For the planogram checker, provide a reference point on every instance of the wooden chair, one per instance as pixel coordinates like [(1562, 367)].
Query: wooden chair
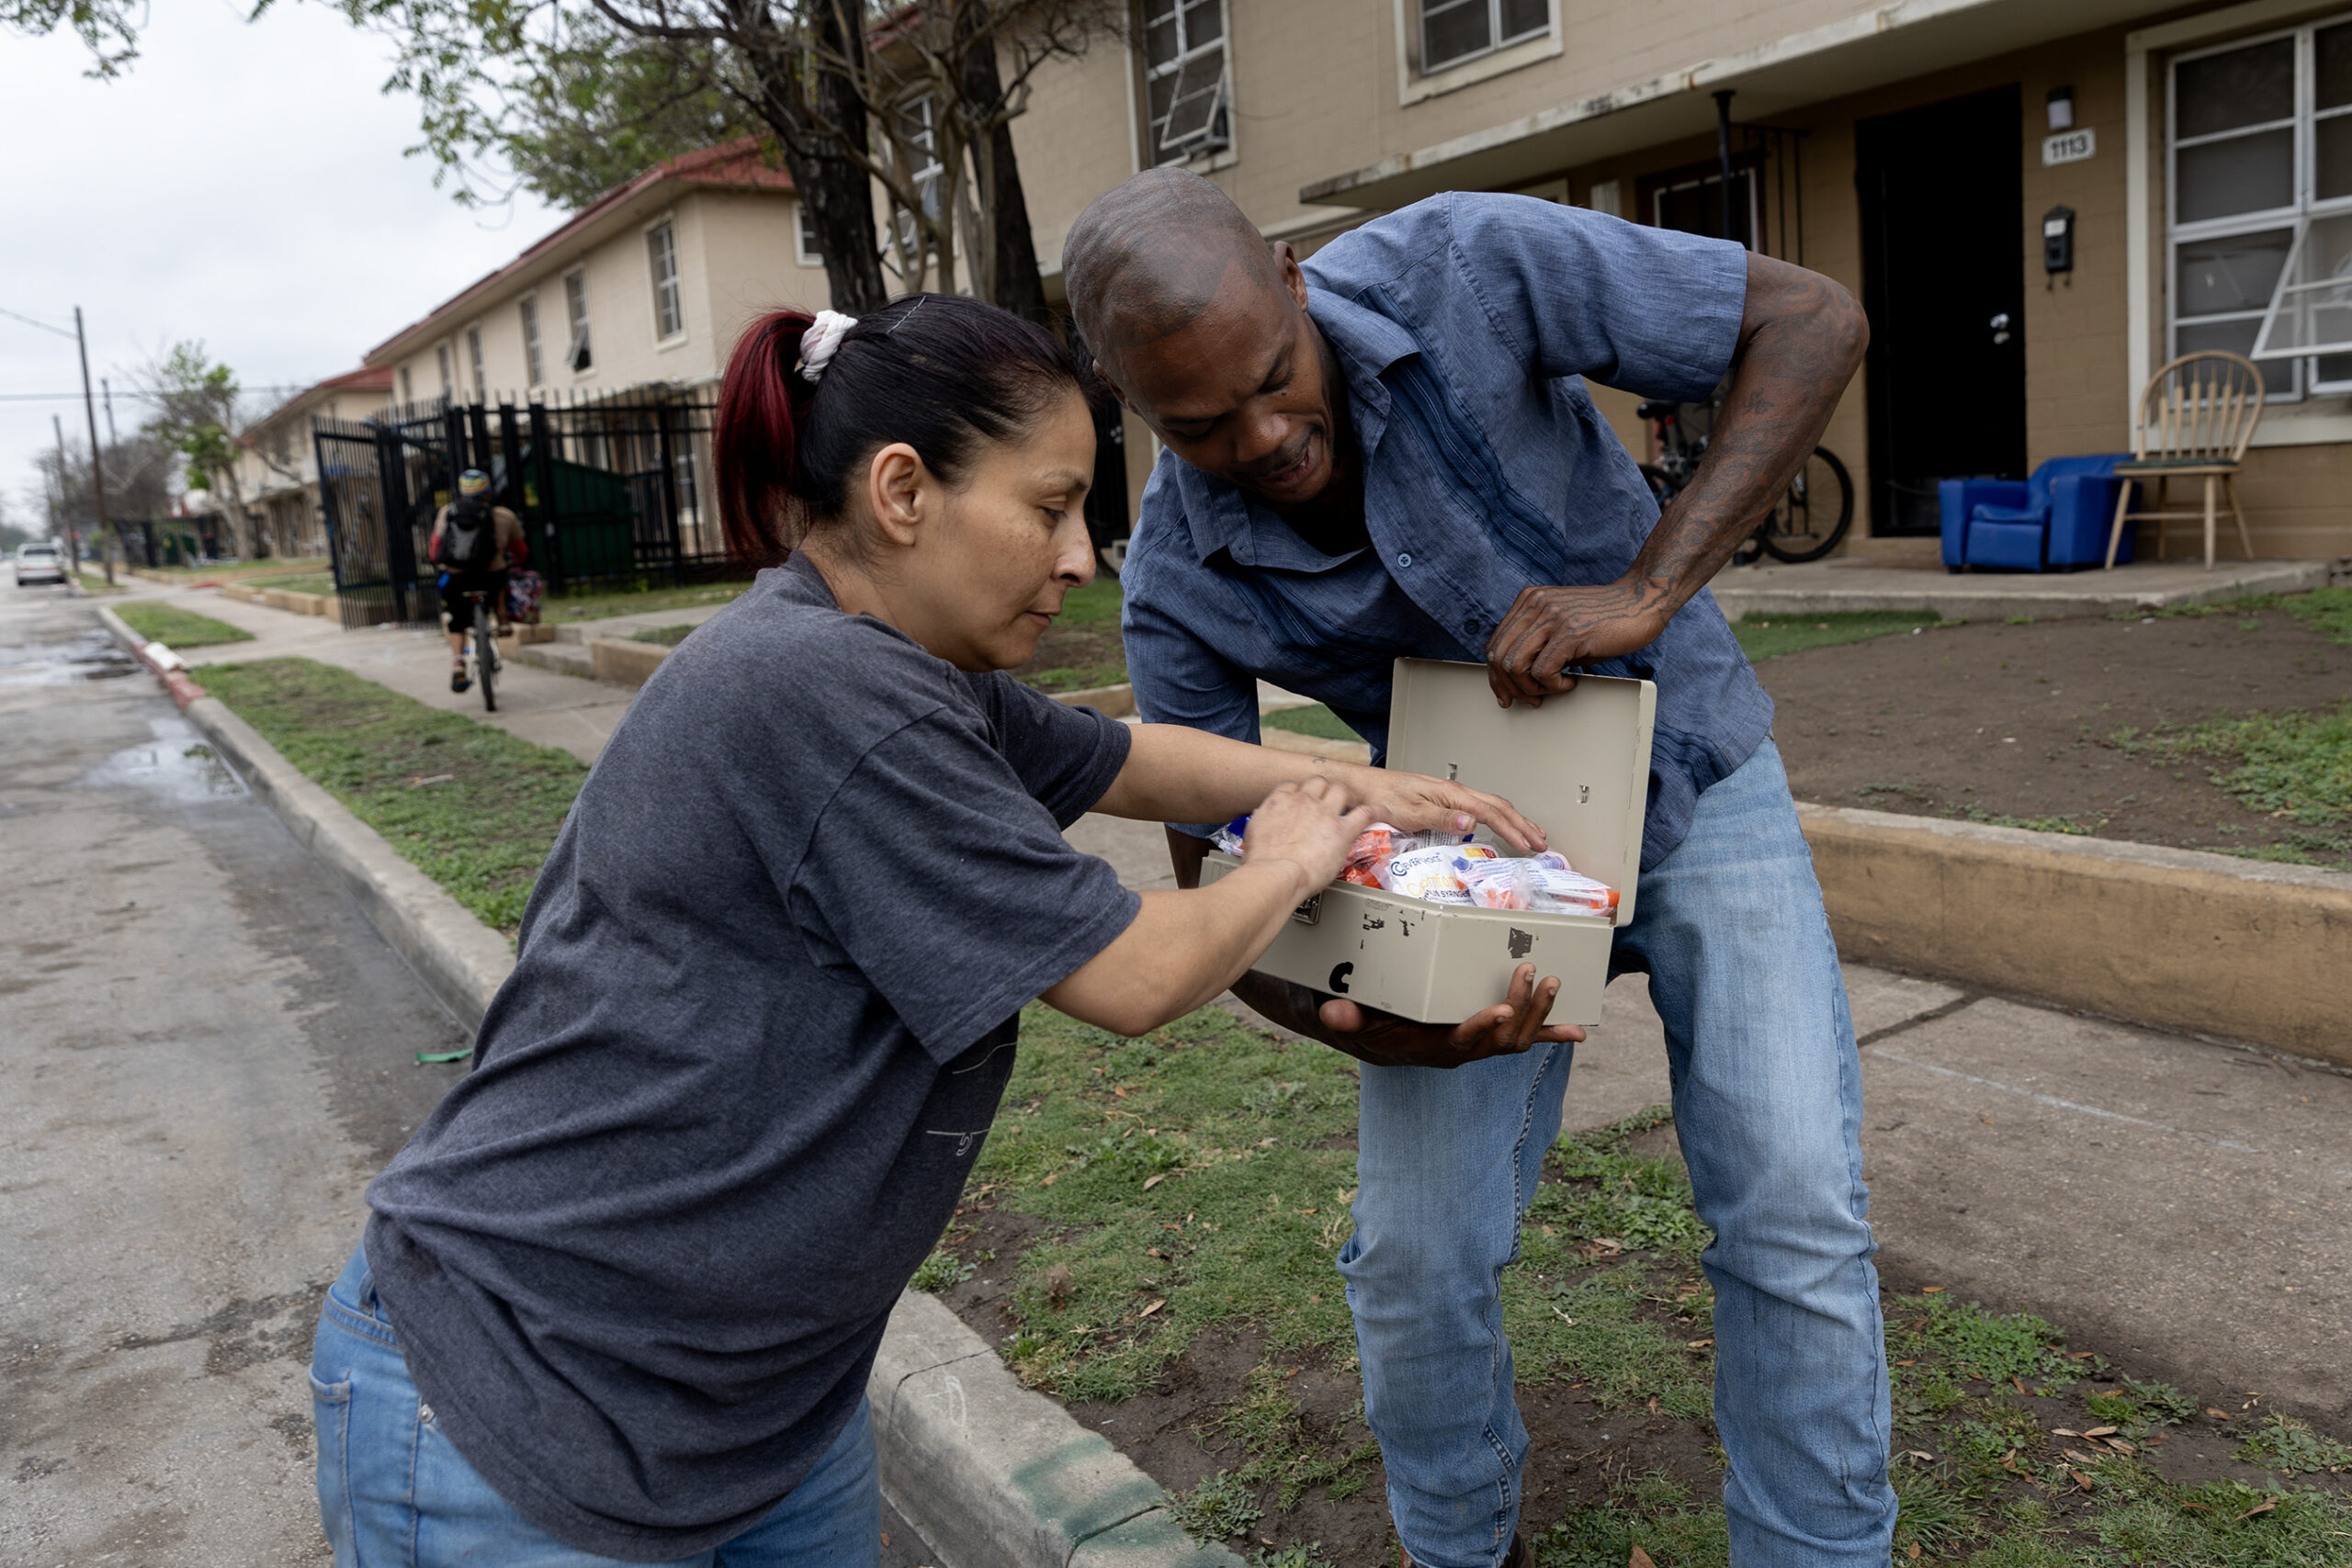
[(2197, 415)]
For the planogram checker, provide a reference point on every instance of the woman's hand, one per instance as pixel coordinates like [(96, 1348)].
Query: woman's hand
[(1420, 804), (1310, 826)]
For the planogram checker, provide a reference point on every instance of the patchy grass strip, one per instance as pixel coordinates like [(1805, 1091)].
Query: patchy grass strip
[(1314, 719), (179, 629), (1199, 1178), (2295, 765), (1077, 678), (597, 604), (664, 636), (472, 808), (1775, 636)]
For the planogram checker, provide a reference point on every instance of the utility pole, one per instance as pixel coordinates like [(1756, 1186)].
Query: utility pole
[(106, 395), (97, 468), (73, 534)]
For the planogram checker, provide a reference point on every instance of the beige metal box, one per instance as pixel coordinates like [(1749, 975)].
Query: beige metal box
[(1578, 767)]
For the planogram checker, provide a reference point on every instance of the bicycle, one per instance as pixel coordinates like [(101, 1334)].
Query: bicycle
[(1805, 524), (481, 644)]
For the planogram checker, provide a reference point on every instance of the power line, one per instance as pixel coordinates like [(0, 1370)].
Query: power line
[(60, 332)]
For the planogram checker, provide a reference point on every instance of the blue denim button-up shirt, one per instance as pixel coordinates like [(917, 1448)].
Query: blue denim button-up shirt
[(1462, 326)]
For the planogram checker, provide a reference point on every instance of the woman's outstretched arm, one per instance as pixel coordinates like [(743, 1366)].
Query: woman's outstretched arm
[(1176, 773)]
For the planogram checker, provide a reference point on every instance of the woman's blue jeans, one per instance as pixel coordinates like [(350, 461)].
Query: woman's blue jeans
[(395, 1493), (1767, 1103)]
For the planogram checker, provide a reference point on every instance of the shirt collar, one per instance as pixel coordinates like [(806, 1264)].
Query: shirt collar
[(1222, 518)]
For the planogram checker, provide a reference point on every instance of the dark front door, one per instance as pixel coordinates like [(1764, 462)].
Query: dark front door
[(1944, 281)]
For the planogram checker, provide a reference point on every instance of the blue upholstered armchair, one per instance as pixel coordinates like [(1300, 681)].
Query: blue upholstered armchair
[(2057, 520)]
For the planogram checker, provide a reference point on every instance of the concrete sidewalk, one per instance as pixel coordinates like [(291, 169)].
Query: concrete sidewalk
[(1761, 592)]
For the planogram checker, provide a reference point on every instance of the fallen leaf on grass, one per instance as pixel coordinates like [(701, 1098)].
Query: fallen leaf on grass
[(1639, 1559), (1152, 1308), (2258, 1509), (1154, 1180), (2217, 1414), (2067, 1432), (2200, 1507), (2081, 1458), (2019, 1380), (1913, 1552), (2080, 1479), (2099, 1431), (1906, 1363), (1701, 1344), (1920, 1454), (1564, 1317), (1932, 1290), (1653, 1405), (2119, 1445)]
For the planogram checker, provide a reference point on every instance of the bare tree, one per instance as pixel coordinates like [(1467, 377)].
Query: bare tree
[(918, 98)]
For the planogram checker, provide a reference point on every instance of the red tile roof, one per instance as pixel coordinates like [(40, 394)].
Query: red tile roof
[(731, 165)]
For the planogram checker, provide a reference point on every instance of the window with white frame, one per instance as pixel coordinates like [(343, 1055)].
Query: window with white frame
[(917, 124), (408, 389), (448, 373), (804, 237), (578, 355), (2260, 171), (1187, 87), (1456, 31), (662, 256), (533, 366), (473, 353)]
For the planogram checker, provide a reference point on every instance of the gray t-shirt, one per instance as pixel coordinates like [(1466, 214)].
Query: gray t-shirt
[(764, 1006)]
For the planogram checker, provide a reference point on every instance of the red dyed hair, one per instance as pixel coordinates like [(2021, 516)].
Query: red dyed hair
[(761, 405)]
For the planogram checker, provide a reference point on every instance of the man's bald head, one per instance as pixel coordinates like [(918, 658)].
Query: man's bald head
[(1147, 257)]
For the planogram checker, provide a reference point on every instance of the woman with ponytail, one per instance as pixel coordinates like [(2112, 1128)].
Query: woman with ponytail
[(618, 1297)]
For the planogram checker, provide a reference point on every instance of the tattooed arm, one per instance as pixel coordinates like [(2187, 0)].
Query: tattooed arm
[(1801, 338)]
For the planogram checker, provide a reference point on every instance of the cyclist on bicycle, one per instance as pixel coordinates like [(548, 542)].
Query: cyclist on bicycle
[(474, 543)]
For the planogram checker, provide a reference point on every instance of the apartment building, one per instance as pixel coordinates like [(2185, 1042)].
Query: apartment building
[(277, 464), (649, 285), (2185, 170)]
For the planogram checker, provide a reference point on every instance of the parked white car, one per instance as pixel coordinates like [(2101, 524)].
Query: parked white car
[(38, 561)]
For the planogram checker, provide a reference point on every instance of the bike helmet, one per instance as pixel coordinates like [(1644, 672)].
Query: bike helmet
[(473, 481)]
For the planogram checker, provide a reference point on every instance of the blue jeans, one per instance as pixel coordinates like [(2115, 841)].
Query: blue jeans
[(1767, 1103), (394, 1491)]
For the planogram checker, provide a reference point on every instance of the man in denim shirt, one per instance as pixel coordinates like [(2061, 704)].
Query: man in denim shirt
[(1390, 450)]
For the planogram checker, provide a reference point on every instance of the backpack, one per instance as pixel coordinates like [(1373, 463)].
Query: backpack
[(469, 540)]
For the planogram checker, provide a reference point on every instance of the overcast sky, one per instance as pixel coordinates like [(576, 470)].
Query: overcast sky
[(243, 183)]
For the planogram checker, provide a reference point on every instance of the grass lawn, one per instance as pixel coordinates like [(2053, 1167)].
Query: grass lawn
[(2294, 765), (300, 583), (602, 604), (1196, 1182), (1314, 719), (1770, 637), (473, 808), (237, 571), (179, 629), (666, 636)]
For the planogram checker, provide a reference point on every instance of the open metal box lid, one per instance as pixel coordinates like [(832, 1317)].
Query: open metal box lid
[(1577, 767)]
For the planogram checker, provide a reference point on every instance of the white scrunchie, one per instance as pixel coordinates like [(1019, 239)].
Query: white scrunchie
[(822, 342)]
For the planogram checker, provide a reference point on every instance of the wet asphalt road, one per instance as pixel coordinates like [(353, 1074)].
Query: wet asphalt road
[(205, 1053)]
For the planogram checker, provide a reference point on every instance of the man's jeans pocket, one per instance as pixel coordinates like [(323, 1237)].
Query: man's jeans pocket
[(330, 1414)]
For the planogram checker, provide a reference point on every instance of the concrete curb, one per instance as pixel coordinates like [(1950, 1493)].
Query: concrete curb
[(994, 1475), (2179, 939)]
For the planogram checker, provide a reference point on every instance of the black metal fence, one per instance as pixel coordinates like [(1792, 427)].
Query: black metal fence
[(612, 490)]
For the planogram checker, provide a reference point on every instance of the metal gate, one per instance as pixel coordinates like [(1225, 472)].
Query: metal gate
[(373, 560), (609, 490)]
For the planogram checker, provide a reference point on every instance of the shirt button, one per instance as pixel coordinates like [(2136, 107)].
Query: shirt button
[(1405, 559)]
